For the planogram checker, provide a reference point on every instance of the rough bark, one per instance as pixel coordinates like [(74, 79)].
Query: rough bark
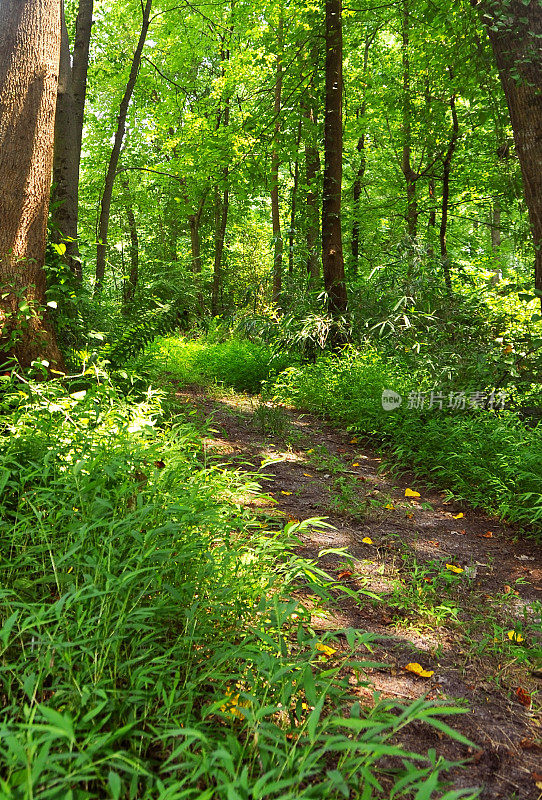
[(70, 110), (332, 246), (278, 243), (447, 166), (105, 205), (29, 65), (130, 281), (515, 32)]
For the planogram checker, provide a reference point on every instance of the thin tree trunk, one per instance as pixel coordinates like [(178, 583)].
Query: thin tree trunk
[(30, 36), (222, 205), (332, 246), (275, 164), (293, 210), (447, 166), (312, 169), (409, 173), (70, 110), (105, 206), (357, 199), (358, 183), (515, 31), (194, 221), (496, 237), (130, 282)]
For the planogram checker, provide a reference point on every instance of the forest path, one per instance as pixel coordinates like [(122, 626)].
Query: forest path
[(457, 624)]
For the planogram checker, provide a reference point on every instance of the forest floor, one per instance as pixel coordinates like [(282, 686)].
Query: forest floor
[(476, 626)]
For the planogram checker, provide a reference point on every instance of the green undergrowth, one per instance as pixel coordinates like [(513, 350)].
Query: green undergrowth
[(488, 458), (149, 644), (238, 363)]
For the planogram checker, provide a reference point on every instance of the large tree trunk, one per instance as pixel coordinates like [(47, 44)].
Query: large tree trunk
[(105, 206), (29, 64), (70, 110), (278, 243), (332, 246), (515, 31)]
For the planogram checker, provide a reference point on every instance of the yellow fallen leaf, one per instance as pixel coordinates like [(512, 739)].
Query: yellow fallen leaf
[(310, 451), (455, 569), (306, 474), (286, 493), (354, 440), (411, 493), (417, 669), (390, 506), (355, 465), (367, 540), (459, 516), (515, 637), (323, 648)]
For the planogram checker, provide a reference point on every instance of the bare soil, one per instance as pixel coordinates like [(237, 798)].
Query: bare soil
[(322, 471)]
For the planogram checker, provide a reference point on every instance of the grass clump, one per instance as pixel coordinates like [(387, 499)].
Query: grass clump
[(238, 363), (149, 646)]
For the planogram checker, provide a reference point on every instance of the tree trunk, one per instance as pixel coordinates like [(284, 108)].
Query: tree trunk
[(312, 169), (410, 175), (195, 245), (70, 110), (515, 31), (130, 282), (358, 183), (293, 210), (222, 206), (29, 65), (447, 166), (332, 246), (275, 163), (357, 200), (105, 206)]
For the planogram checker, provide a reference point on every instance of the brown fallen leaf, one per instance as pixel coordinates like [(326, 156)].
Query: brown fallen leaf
[(344, 574), (507, 589), (525, 700), (160, 464), (536, 776), (488, 535), (529, 744)]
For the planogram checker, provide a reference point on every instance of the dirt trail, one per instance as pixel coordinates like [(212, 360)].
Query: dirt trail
[(455, 623)]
